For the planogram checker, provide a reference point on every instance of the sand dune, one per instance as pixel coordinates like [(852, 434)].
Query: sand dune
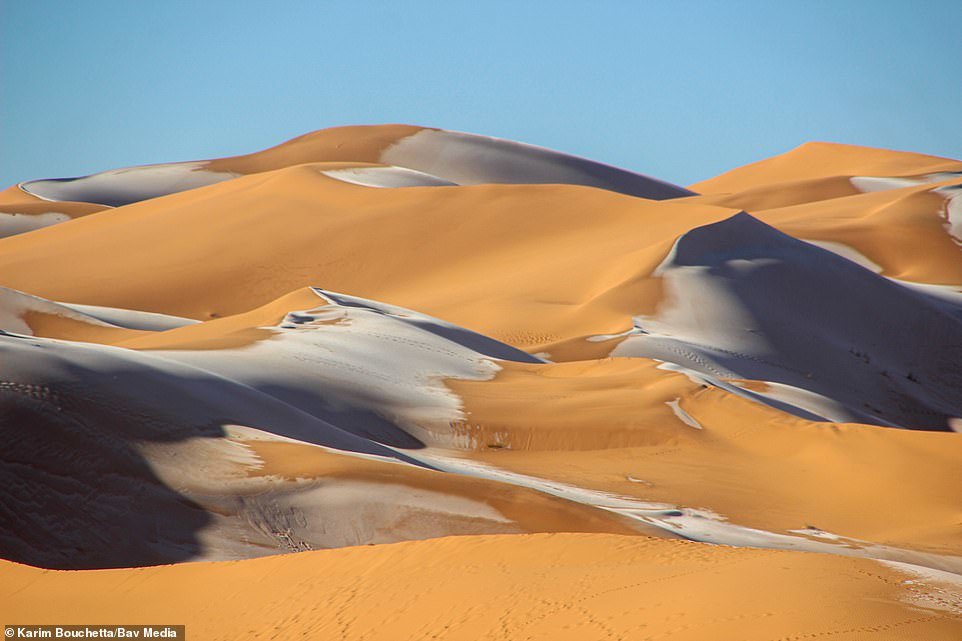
[(372, 335), (560, 586), (746, 301), (413, 155), (21, 211), (821, 160), (469, 159)]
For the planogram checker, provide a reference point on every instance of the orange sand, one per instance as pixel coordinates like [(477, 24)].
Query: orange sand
[(551, 587)]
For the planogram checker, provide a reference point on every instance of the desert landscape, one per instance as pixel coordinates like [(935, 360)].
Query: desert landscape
[(395, 382)]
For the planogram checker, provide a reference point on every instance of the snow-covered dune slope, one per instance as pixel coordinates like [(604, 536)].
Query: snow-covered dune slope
[(469, 159), (152, 441), (745, 301), (77, 492), (372, 369), (124, 186), (427, 157)]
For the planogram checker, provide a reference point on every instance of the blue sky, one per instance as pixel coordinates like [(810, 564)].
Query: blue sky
[(678, 90)]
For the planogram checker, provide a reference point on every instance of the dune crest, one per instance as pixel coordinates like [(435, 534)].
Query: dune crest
[(746, 301), (414, 157)]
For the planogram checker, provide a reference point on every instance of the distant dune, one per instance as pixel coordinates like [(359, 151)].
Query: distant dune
[(393, 334)]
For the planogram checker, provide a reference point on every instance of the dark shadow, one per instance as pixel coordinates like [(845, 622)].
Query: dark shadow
[(459, 335), (888, 352), (76, 491), (74, 494), (363, 423)]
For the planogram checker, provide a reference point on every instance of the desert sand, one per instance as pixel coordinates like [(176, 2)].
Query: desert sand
[(558, 398), (555, 586)]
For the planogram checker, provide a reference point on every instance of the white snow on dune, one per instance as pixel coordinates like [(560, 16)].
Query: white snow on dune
[(129, 382), (682, 415), (951, 193), (386, 177), (953, 210), (693, 523), (802, 401), (429, 158), (786, 398), (350, 375), (883, 183), (145, 436), (370, 368), (12, 224), (931, 588), (455, 333), (132, 318), (14, 305), (87, 430), (867, 184), (748, 302), (124, 186), (256, 514), (470, 159)]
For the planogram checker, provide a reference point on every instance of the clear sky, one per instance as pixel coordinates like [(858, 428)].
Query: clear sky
[(678, 90)]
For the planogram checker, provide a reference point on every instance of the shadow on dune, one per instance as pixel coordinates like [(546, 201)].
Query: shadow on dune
[(75, 493), (363, 423), (461, 336), (76, 490), (814, 320)]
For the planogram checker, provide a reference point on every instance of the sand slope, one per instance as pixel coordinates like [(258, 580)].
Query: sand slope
[(520, 587)]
